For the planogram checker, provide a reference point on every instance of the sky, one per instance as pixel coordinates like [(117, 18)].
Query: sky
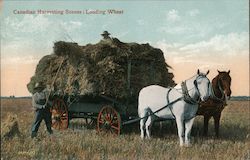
[(193, 34)]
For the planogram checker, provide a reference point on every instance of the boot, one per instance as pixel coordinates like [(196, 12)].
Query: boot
[(33, 134), (50, 131)]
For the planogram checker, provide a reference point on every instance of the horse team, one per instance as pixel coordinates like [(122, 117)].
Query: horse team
[(194, 96)]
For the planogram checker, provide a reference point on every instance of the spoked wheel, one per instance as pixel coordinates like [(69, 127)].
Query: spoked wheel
[(59, 114), (109, 121)]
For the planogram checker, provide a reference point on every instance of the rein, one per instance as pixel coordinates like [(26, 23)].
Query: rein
[(221, 90)]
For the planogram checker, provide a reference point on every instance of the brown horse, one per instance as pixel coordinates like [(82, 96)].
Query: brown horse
[(213, 107)]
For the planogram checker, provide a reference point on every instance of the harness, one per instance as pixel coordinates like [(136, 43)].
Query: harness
[(186, 96), (221, 89), (170, 103), (222, 93), (152, 113)]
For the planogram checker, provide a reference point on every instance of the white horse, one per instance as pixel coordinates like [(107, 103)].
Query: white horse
[(169, 103)]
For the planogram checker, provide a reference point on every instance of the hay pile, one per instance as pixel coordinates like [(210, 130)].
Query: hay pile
[(103, 68), (10, 127)]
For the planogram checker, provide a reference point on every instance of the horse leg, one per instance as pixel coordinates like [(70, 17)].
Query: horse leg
[(217, 123), (142, 124), (161, 125), (180, 127), (205, 127), (148, 127), (188, 127)]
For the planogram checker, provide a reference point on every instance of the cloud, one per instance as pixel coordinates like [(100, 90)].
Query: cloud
[(34, 26), (122, 34), (19, 60), (70, 26), (23, 48), (29, 24), (230, 44), (141, 22), (188, 29), (193, 12), (191, 25), (211, 52), (176, 30), (26, 35), (173, 15), (167, 47)]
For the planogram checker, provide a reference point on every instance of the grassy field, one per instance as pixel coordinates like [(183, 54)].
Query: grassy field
[(82, 143)]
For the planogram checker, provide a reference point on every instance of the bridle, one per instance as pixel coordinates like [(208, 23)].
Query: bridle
[(220, 88), (221, 99), (187, 98)]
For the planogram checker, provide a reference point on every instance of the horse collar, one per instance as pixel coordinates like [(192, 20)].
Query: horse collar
[(186, 95), (220, 88)]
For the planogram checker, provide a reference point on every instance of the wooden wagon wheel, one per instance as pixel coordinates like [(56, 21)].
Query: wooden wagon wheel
[(59, 114), (109, 121)]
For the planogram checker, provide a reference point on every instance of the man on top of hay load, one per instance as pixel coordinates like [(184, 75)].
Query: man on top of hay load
[(39, 102), (106, 37)]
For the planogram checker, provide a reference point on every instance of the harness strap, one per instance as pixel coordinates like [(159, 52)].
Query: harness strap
[(168, 102), (152, 113), (186, 95), (168, 94), (221, 90)]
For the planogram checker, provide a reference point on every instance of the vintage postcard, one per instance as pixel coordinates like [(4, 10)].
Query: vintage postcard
[(125, 79)]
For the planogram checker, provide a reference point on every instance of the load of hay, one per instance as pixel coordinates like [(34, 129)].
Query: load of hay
[(110, 67)]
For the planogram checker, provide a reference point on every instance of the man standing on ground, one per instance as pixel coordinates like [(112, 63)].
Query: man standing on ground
[(39, 102)]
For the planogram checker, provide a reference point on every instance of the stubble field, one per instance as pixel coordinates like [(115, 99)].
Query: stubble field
[(78, 142)]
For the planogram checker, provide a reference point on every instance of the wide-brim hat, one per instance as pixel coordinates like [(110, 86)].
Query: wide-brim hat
[(105, 33), (39, 86)]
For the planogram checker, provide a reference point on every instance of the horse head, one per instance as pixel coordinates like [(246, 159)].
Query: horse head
[(203, 85), (224, 83)]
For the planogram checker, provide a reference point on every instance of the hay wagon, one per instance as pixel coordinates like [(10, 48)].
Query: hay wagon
[(109, 114), (109, 76)]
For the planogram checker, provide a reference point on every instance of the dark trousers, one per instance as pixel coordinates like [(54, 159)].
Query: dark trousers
[(41, 114)]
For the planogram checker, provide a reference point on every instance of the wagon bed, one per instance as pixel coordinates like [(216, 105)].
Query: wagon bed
[(107, 113)]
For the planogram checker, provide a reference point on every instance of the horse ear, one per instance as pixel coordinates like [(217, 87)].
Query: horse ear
[(218, 71), (228, 72), (198, 72), (207, 72)]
